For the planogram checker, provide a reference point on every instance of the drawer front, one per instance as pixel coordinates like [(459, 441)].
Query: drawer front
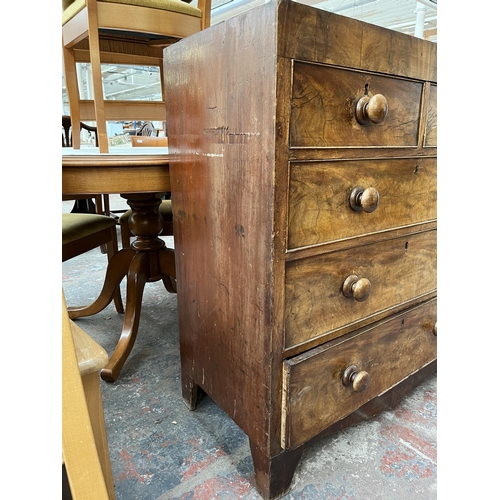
[(315, 396), (319, 198), (323, 109), (398, 270), (431, 123)]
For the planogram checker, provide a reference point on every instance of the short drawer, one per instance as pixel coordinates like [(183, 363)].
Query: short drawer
[(328, 383), (330, 201), (323, 109), (393, 271), (431, 122)]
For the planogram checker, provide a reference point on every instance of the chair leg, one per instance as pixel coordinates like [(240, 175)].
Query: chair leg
[(107, 210), (93, 396), (98, 205), (99, 210), (112, 249), (73, 93), (126, 235), (95, 62)]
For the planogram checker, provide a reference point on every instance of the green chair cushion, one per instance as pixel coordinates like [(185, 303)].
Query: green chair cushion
[(165, 210), (76, 226), (72, 9)]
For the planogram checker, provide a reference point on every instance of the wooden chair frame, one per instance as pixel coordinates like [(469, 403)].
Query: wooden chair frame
[(94, 23), (84, 441), (106, 237), (84, 203)]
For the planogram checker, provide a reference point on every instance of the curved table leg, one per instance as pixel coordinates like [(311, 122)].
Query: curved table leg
[(136, 280), (117, 269), (147, 260)]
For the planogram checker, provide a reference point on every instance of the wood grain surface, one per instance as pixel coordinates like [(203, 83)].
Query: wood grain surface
[(315, 303), (319, 209), (324, 102), (314, 396)]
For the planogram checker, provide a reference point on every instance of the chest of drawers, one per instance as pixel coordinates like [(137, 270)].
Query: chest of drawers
[(304, 201)]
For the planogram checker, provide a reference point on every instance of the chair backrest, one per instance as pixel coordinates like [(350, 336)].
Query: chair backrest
[(147, 129), (67, 138)]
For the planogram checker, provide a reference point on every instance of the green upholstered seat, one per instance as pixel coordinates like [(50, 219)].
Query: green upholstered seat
[(70, 9), (83, 232), (77, 226)]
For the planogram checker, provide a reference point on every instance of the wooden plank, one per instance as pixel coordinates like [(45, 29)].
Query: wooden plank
[(114, 179), (146, 20), (317, 35), (125, 110), (80, 451), (95, 62), (224, 117)]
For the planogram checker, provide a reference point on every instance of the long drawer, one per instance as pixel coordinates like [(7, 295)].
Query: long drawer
[(317, 288), (328, 383), (321, 194), (323, 108)]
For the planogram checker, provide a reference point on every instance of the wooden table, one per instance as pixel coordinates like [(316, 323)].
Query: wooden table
[(142, 178)]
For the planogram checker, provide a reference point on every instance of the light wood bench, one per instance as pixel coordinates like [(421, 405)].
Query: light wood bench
[(85, 444)]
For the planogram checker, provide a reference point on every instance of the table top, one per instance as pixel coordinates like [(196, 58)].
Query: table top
[(117, 155), (122, 170)]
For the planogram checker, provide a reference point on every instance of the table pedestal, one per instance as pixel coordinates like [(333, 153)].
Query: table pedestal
[(147, 260)]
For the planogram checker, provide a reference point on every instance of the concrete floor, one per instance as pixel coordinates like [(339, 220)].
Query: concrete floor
[(162, 451)]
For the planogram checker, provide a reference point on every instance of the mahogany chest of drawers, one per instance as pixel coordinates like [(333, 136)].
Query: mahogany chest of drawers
[(304, 201)]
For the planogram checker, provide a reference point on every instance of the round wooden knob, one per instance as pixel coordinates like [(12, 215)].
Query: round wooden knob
[(364, 199), (358, 288), (359, 380), (435, 329), (371, 109)]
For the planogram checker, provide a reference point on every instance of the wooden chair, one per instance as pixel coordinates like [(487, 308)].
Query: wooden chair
[(84, 441), (147, 129), (83, 205), (83, 232), (67, 137), (121, 32)]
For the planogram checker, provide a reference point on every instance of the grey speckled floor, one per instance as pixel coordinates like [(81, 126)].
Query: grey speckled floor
[(161, 450)]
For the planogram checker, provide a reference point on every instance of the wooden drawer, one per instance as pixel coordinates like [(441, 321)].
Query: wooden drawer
[(431, 123), (319, 209), (399, 270), (314, 396), (324, 102)]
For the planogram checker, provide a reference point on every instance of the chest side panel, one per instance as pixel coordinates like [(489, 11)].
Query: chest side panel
[(221, 85)]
